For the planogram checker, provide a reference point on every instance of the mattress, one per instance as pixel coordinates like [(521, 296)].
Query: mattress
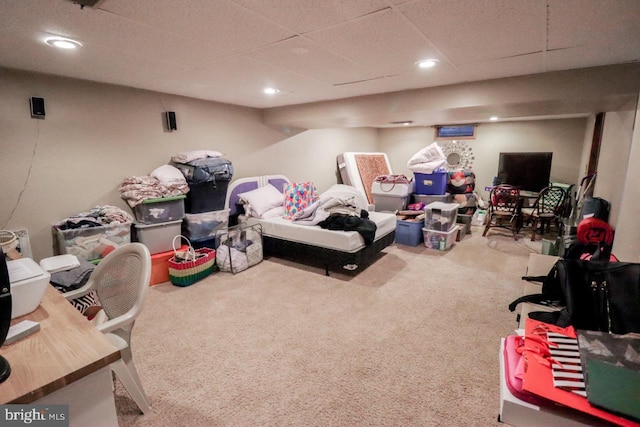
[(361, 169), (345, 241)]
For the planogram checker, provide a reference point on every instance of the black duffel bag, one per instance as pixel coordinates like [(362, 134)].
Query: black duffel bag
[(595, 295)]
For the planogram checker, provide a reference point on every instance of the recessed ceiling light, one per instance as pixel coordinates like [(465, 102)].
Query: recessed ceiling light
[(493, 118), (402, 123), (270, 90), (427, 63), (62, 42)]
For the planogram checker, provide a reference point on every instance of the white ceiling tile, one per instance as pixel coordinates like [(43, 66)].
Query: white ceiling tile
[(443, 74), (303, 16), (237, 79), (470, 31), (590, 56), (381, 42), (102, 65), (303, 56), (110, 31), (506, 67), (218, 23), (119, 34), (603, 24)]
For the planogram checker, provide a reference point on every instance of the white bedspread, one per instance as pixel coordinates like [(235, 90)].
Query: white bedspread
[(346, 241), (323, 208)]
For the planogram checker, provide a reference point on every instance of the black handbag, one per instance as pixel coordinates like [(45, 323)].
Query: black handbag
[(595, 295)]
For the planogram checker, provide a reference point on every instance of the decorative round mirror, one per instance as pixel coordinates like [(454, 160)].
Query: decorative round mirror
[(453, 159), (458, 155)]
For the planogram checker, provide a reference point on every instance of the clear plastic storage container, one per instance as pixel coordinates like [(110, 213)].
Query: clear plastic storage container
[(154, 211)]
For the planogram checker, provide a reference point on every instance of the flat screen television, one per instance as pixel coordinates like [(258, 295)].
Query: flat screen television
[(527, 171)]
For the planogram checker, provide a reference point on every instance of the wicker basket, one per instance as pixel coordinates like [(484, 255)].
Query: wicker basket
[(187, 267)]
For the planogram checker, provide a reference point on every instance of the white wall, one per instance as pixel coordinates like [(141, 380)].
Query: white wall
[(613, 160), (563, 137), (626, 246), (94, 135)]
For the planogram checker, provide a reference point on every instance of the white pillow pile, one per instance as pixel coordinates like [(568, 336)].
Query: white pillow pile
[(168, 175), (258, 201)]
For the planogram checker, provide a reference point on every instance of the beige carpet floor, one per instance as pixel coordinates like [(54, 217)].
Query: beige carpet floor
[(412, 340)]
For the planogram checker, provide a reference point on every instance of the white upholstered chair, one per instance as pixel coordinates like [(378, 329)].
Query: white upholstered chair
[(121, 280)]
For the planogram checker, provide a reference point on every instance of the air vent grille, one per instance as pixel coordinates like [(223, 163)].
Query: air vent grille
[(83, 3)]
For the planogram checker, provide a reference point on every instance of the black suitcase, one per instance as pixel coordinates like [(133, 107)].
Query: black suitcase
[(595, 207), (208, 180), (206, 170), (206, 197)]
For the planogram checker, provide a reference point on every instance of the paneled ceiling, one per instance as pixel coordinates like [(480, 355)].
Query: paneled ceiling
[(313, 50)]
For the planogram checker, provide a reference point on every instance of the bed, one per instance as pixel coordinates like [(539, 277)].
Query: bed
[(338, 250)]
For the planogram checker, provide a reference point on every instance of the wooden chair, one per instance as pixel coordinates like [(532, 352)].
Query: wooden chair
[(547, 208), (504, 209)]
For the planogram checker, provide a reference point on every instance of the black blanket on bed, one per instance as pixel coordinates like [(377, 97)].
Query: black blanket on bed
[(362, 225)]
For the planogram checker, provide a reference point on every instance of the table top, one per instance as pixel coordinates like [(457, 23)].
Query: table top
[(65, 349)]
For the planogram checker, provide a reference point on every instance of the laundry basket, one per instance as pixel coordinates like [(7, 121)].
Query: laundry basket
[(240, 248), (189, 266)]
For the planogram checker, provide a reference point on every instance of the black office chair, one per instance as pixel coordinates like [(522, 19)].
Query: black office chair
[(547, 208), (5, 313), (504, 209)]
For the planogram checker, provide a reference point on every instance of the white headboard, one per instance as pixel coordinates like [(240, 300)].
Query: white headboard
[(243, 185)]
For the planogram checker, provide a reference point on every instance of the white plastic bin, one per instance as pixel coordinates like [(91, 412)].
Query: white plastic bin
[(158, 237)]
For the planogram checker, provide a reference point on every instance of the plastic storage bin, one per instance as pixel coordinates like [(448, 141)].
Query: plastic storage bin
[(409, 232), (160, 266), (154, 211), (441, 240), (431, 183), (158, 237), (440, 216), (206, 197), (205, 225), (92, 243), (387, 203), (430, 198)]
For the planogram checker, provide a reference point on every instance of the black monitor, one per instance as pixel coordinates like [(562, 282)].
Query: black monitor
[(527, 171)]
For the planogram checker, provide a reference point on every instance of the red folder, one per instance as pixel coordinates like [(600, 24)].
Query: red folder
[(538, 378)]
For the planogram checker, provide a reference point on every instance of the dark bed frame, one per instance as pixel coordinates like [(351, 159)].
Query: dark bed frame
[(329, 259)]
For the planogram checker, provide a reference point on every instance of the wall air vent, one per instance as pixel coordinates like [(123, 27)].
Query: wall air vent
[(90, 3)]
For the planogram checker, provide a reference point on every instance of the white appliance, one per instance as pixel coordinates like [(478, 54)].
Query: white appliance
[(28, 284)]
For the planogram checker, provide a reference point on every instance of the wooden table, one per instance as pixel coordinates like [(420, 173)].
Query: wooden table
[(65, 362)]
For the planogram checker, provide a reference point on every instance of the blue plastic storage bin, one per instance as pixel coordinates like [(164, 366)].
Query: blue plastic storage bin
[(409, 232), (431, 183)]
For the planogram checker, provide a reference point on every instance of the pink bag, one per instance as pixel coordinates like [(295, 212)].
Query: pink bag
[(514, 367), (298, 196)]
